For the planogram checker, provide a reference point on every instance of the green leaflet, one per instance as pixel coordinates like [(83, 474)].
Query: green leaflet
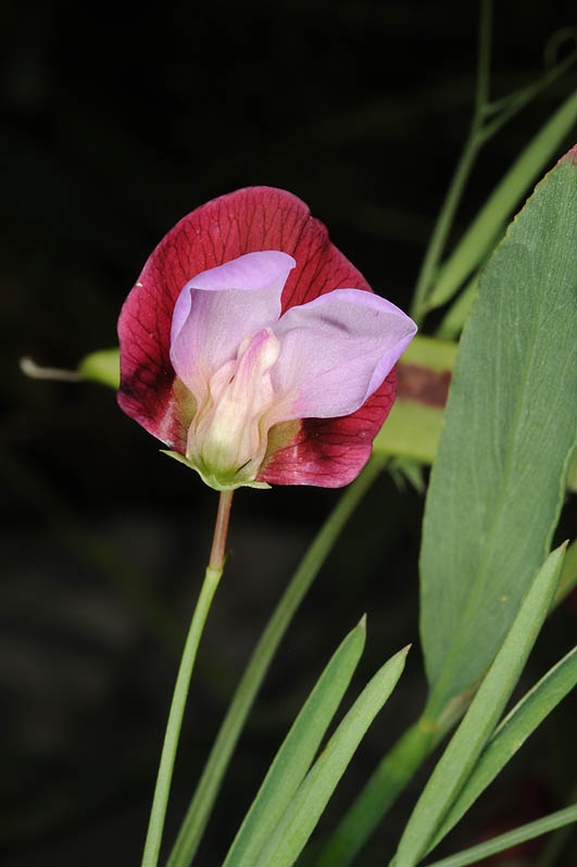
[(497, 484)]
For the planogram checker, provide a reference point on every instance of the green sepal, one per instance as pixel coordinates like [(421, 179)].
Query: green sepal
[(209, 479)]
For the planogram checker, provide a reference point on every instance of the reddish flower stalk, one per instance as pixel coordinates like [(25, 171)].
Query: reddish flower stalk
[(218, 550)]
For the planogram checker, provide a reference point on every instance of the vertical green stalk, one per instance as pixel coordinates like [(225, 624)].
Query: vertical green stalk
[(462, 171), (443, 226), (211, 581), (208, 787)]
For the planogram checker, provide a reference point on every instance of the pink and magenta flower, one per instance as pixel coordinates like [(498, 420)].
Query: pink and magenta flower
[(255, 350)]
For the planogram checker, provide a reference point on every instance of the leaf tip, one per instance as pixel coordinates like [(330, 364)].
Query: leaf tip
[(570, 156)]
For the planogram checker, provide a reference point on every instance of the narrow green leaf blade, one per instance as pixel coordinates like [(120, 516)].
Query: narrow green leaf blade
[(512, 838), (299, 820), (568, 579), (388, 780), (511, 734), (497, 483), (297, 752), (464, 748)]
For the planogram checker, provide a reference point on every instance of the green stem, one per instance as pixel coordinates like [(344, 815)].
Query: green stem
[(208, 787), (443, 226), (461, 175), (173, 726), (515, 102), (483, 59)]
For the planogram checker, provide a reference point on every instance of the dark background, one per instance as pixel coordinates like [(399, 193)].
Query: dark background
[(117, 122)]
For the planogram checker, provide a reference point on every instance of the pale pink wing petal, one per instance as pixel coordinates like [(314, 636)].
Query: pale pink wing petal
[(219, 307), (331, 452), (246, 221), (337, 350)]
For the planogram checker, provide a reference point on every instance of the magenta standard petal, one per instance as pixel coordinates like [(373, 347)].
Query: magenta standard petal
[(337, 350), (218, 308)]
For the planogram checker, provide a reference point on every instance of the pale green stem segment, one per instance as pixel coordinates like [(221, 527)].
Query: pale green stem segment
[(211, 581), (208, 787)]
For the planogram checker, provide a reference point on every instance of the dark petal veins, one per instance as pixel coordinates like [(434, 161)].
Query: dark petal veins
[(246, 221), (331, 452)]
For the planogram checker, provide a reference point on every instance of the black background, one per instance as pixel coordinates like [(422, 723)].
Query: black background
[(117, 122)]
